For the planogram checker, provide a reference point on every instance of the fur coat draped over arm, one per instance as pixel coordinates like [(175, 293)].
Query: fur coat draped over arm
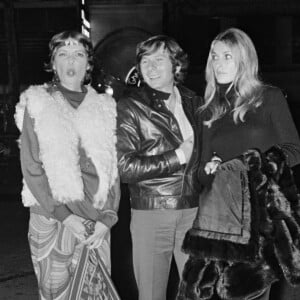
[(247, 231)]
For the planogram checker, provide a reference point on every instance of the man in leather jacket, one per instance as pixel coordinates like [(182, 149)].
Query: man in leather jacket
[(157, 157)]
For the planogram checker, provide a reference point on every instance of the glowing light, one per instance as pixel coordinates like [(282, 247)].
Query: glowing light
[(86, 26), (86, 23), (85, 31), (109, 90)]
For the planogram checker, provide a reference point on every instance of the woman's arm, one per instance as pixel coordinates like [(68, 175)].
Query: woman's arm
[(108, 215), (288, 138), (36, 180), (34, 174), (205, 157)]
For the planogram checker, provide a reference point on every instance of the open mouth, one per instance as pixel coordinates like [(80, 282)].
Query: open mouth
[(71, 72)]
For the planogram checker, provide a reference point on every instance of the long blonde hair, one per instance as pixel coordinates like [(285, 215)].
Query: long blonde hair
[(247, 86)]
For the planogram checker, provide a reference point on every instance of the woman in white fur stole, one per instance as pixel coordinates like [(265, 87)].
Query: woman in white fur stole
[(71, 182)]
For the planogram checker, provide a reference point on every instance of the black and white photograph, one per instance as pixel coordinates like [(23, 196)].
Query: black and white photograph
[(149, 150)]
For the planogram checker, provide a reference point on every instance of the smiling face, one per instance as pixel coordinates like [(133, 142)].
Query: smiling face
[(223, 62), (71, 63), (157, 70)]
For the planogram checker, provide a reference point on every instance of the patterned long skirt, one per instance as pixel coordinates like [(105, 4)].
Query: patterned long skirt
[(65, 269)]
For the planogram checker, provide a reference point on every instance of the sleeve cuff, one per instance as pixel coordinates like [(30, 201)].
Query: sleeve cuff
[(109, 219), (61, 212), (172, 161)]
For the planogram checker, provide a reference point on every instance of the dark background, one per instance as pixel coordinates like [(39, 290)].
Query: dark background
[(26, 27)]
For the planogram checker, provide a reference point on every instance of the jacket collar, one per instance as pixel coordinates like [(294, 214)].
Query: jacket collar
[(153, 97)]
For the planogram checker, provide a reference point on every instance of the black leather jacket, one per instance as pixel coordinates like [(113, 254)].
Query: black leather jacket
[(147, 136)]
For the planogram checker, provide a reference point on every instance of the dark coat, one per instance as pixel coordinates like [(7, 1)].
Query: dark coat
[(233, 269), (147, 136)]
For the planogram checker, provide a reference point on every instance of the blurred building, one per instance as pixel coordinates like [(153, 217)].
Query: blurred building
[(115, 26)]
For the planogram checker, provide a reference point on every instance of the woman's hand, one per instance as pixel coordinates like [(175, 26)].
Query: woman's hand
[(75, 225), (95, 240), (212, 166)]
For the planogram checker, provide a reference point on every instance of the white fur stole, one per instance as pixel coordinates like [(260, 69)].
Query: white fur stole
[(60, 130)]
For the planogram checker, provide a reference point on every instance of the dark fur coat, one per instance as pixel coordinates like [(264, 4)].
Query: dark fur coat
[(219, 268)]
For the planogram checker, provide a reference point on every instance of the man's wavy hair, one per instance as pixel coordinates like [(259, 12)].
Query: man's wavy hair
[(178, 57), (247, 86), (58, 41)]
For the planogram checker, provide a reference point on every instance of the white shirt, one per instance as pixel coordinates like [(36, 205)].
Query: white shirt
[(184, 124)]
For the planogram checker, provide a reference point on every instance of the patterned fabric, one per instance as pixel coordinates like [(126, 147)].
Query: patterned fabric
[(56, 255), (228, 270), (92, 279)]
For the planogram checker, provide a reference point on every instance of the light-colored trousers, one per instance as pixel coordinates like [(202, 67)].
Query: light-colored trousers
[(156, 236)]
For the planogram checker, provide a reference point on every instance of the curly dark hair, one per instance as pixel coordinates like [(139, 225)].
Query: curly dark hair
[(177, 55)]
